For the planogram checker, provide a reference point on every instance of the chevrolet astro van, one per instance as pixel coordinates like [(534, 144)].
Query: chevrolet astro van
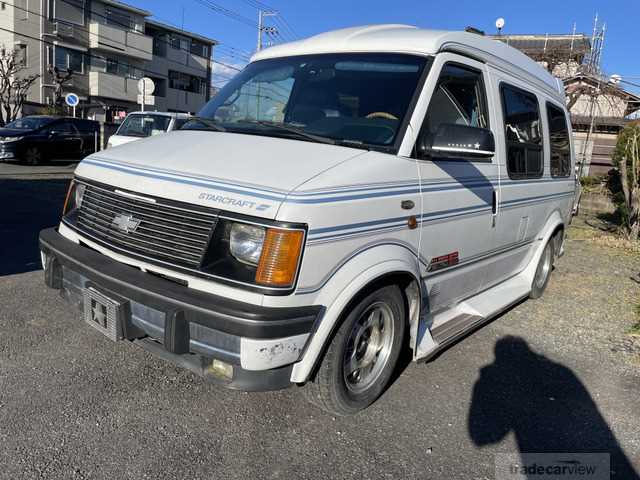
[(343, 198)]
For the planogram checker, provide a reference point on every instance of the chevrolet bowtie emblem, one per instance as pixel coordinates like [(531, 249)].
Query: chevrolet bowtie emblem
[(125, 223)]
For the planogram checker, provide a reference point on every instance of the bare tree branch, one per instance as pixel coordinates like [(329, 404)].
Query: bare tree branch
[(14, 86)]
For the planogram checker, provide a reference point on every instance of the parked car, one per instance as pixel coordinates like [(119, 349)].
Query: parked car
[(139, 125), (338, 201), (38, 138)]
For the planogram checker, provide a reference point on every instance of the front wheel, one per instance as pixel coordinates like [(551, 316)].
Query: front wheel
[(362, 355)]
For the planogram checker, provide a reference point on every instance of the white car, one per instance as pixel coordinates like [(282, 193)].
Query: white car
[(139, 125), (343, 198)]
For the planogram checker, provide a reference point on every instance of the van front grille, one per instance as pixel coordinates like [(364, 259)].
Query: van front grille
[(174, 233)]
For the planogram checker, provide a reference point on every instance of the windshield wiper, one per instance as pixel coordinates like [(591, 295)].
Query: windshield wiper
[(296, 131), (208, 125)]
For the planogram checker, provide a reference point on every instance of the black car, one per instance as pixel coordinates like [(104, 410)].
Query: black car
[(36, 139)]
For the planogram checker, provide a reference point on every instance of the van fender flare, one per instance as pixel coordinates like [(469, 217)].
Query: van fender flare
[(553, 222), (351, 279)]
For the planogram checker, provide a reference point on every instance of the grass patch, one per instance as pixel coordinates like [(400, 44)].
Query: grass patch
[(635, 329), (580, 230)]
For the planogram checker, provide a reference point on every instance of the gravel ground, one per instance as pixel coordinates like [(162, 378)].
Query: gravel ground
[(557, 374)]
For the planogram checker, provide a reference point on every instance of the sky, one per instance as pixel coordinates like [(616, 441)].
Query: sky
[(621, 53)]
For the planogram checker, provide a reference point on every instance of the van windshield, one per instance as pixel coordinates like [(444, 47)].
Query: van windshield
[(144, 125), (351, 99)]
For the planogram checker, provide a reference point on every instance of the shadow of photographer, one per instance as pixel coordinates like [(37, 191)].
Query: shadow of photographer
[(544, 404)]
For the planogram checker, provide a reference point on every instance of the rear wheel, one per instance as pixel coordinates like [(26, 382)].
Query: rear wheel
[(543, 272), (33, 156), (362, 355)]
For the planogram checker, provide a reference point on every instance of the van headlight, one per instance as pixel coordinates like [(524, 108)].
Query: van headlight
[(264, 256), (74, 198), (245, 243)]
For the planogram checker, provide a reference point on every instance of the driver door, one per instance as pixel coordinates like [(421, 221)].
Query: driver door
[(459, 192)]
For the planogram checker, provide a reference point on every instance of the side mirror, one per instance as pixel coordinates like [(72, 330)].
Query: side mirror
[(452, 140)]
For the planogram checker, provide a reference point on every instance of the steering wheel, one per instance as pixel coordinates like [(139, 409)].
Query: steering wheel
[(386, 115)]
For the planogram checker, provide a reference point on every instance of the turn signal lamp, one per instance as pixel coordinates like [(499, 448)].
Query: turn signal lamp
[(280, 256)]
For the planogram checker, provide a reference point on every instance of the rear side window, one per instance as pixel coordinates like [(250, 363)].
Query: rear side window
[(559, 140), (523, 133)]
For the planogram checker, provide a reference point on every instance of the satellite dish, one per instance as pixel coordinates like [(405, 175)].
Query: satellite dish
[(500, 23), (615, 79)]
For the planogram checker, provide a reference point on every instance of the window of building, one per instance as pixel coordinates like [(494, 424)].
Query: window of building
[(174, 41), (118, 18), (68, 59), (560, 142), (187, 83), (199, 48), (116, 67), (522, 133), (459, 98), (22, 55), (69, 11), (160, 44)]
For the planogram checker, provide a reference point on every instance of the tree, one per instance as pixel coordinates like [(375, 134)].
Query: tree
[(14, 87), (627, 158), (59, 80)]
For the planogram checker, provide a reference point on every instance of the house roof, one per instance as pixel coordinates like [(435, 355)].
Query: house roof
[(170, 28), (536, 44), (412, 40), (633, 100)]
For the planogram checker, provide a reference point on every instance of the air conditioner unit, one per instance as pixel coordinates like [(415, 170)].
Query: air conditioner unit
[(63, 29)]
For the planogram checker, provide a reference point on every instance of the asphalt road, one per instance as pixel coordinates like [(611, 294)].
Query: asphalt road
[(558, 374)]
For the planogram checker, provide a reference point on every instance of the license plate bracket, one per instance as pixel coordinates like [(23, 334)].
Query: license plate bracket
[(103, 313)]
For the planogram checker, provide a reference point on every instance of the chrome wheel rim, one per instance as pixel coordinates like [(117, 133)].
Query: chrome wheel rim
[(368, 347), (545, 267)]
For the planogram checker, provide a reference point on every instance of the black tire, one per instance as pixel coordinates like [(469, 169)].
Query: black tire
[(543, 271), (335, 390)]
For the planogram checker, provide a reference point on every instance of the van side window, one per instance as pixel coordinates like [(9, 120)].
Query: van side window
[(459, 98), (559, 140), (523, 133)]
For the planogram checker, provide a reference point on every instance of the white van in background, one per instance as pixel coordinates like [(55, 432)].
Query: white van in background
[(139, 125), (341, 199)]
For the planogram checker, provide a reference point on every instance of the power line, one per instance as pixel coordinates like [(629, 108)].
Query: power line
[(289, 27), (259, 5), (228, 13)]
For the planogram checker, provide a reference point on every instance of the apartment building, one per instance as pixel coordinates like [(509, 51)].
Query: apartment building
[(109, 46)]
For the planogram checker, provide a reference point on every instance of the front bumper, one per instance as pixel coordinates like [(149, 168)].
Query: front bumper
[(8, 151), (188, 327)]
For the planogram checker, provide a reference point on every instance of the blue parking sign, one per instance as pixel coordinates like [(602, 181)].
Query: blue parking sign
[(72, 99)]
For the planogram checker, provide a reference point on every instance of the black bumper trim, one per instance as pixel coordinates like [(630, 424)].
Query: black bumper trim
[(219, 313)]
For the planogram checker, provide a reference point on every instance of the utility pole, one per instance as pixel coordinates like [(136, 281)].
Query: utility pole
[(262, 28)]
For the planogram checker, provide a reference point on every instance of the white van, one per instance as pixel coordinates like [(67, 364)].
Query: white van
[(139, 125), (343, 198)]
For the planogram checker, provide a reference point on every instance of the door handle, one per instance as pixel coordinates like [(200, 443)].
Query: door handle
[(494, 207)]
